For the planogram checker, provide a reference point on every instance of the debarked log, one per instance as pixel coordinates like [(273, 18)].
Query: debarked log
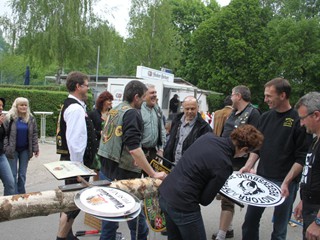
[(55, 201)]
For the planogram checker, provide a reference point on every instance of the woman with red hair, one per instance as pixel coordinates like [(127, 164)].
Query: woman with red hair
[(98, 116)]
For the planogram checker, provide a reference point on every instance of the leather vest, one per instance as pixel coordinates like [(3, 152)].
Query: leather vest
[(61, 141), (111, 145)]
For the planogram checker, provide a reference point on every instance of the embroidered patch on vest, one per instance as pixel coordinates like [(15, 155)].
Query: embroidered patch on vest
[(125, 107), (118, 131)]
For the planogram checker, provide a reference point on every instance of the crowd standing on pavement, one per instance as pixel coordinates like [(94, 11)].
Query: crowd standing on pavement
[(202, 156)]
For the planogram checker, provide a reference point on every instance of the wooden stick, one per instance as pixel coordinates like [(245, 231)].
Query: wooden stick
[(54, 201)]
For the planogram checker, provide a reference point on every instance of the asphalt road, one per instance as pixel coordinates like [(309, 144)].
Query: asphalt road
[(45, 228)]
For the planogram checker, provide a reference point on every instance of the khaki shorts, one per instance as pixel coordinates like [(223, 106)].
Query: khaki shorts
[(227, 205)]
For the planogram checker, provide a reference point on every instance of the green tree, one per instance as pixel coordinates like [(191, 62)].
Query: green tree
[(53, 31), (295, 52), (4, 46), (12, 69), (152, 39), (229, 48), (187, 15)]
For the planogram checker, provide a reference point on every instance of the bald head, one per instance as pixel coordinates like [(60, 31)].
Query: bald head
[(190, 108)]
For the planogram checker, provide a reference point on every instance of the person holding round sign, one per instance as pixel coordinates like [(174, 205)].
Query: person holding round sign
[(308, 209), (198, 177), (281, 157)]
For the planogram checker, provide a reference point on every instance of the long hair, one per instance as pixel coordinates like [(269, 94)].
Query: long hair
[(13, 112)]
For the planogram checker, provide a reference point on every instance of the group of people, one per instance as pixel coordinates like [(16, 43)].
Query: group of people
[(119, 142), (18, 144)]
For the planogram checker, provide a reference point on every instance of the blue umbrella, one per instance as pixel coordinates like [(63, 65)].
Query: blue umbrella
[(27, 76)]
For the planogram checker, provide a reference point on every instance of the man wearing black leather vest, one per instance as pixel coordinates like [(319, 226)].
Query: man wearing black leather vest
[(243, 113), (73, 140)]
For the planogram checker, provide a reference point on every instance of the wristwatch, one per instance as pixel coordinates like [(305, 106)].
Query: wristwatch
[(317, 221)]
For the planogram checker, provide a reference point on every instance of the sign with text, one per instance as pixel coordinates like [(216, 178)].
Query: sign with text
[(253, 190), (152, 74)]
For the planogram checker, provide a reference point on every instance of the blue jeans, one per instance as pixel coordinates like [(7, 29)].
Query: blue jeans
[(281, 217), (309, 213), (182, 225), (109, 229), (6, 176), (20, 173)]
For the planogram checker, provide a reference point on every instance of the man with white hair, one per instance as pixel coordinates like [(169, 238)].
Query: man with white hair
[(154, 133)]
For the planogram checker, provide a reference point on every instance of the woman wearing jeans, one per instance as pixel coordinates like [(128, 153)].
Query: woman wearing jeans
[(22, 141), (5, 171)]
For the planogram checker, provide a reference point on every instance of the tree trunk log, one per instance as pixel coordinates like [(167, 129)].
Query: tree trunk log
[(54, 201)]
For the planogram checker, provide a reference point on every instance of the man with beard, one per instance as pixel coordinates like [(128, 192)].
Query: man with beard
[(121, 154), (154, 134)]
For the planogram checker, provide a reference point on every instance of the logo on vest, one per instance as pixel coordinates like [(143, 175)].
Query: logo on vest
[(118, 131), (253, 190)]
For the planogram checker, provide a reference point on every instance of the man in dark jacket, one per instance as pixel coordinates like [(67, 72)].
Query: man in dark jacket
[(185, 129)]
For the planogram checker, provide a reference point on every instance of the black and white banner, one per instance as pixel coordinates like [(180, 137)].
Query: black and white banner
[(252, 189)]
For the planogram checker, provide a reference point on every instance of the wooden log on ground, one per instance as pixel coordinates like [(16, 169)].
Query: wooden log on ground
[(55, 201)]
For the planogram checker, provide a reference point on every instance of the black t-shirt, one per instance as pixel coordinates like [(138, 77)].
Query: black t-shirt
[(310, 180), (285, 143)]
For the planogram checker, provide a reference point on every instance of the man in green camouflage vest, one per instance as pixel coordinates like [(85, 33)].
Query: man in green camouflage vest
[(121, 153)]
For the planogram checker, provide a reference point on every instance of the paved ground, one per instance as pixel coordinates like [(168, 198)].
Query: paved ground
[(45, 228)]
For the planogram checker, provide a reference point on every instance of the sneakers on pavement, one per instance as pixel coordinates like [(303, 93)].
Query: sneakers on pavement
[(229, 234)]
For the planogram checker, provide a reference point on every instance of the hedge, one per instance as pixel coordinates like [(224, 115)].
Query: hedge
[(40, 101)]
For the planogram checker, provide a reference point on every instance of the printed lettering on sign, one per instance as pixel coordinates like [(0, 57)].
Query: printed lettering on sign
[(252, 189)]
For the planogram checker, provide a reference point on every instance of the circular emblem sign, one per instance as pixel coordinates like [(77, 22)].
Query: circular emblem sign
[(106, 202), (252, 189)]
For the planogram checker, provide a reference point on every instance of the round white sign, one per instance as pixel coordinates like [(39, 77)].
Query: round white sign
[(252, 189), (106, 201)]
